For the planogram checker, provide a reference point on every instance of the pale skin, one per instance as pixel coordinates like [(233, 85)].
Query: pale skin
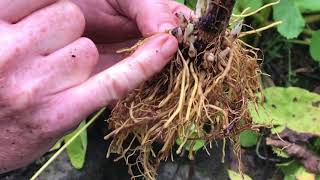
[(51, 77)]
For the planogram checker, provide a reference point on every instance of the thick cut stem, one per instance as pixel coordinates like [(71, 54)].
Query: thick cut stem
[(216, 18)]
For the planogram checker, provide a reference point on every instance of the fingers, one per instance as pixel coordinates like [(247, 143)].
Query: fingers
[(151, 16), (69, 66), (14, 10), (103, 19), (176, 7), (47, 76), (114, 82), (51, 28)]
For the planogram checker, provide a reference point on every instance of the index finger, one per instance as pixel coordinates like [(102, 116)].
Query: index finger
[(115, 82)]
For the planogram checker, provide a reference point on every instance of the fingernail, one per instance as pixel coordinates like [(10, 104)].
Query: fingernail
[(165, 27), (169, 47)]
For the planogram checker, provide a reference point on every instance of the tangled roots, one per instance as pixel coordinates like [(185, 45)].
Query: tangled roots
[(202, 94)]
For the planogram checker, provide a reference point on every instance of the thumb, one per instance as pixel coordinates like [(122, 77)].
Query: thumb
[(115, 82)]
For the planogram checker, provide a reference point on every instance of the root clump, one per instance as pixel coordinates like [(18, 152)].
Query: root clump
[(202, 94)]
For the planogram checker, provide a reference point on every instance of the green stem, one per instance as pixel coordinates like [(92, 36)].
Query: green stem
[(289, 66), (309, 32), (224, 142), (66, 145), (312, 18), (301, 42)]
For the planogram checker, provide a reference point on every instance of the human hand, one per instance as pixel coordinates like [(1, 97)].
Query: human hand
[(117, 24), (110, 21), (46, 75)]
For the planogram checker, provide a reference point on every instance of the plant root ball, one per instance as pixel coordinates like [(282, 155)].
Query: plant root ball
[(208, 96), (202, 94)]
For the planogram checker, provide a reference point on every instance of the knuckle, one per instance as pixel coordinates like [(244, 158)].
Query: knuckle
[(113, 87), (10, 49), (146, 64), (20, 98), (145, 68)]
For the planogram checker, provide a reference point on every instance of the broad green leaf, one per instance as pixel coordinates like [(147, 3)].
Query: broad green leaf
[(308, 5), (315, 46), (295, 108), (292, 20), (243, 4), (237, 176), (77, 149), (305, 175), (277, 129), (248, 138), (289, 168)]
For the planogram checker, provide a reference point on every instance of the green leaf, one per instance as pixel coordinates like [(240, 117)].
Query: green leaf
[(57, 145), (280, 152), (237, 176), (315, 46), (198, 144), (308, 6), (243, 4), (248, 138), (194, 144), (290, 169), (295, 108), (77, 149), (191, 4), (292, 20), (293, 171), (181, 1)]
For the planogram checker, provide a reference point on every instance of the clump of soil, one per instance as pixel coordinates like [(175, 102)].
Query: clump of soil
[(202, 94)]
